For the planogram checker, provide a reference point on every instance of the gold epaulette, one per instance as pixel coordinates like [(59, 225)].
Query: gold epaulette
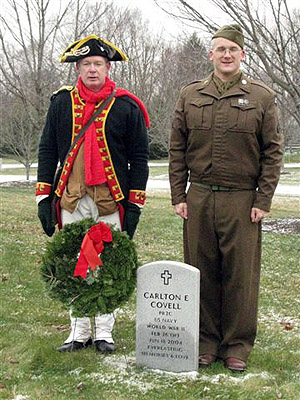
[(63, 89)]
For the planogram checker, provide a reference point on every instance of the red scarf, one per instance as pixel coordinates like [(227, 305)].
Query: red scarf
[(94, 170)]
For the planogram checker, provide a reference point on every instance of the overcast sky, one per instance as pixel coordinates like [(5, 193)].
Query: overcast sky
[(159, 20)]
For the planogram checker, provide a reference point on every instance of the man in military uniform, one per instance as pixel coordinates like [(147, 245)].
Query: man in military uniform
[(225, 140), (105, 174)]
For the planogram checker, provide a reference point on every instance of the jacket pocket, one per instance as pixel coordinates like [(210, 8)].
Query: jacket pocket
[(243, 115), (199, 114)]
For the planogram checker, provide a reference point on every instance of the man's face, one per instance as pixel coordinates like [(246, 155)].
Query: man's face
[(93, 71), (226, 57)]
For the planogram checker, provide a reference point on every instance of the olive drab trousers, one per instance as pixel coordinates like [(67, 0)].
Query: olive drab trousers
[(221, 240)]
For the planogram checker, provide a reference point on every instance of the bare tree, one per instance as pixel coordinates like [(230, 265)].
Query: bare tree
[(31, 37), (178, 65), (156, 70), (272, 35), (18, 139), (36, 33), (25, 53)]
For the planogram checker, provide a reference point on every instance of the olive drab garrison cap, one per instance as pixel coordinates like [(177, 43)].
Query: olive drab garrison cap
[(92, 45), (231, 32)]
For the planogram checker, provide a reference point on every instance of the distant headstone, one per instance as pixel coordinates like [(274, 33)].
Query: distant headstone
[(167, 321)]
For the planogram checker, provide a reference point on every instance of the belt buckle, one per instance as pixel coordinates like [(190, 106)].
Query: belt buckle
[(219, 188)]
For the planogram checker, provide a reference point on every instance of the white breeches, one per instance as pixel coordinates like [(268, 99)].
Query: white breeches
[(103, 324), (81, 328), (86, 208)]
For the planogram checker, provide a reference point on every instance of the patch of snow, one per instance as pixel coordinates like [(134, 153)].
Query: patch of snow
[(281, 225), (163, 177), (124, 370), (222, 378), (193, 375), (21, 397), (76, 371)]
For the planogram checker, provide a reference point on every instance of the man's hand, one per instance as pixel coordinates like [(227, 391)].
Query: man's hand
[(181, 210), (44, 214), (257, 215)]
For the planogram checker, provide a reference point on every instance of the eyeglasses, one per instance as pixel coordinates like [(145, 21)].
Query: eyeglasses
[(223, 50)]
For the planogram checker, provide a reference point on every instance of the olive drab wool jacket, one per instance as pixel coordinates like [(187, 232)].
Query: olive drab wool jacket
[(231, 140)]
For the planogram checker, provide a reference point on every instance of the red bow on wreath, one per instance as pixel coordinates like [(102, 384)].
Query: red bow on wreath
[(91, 246)]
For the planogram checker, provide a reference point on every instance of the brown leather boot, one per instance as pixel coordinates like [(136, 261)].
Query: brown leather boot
[(205, 360), (235, 364)]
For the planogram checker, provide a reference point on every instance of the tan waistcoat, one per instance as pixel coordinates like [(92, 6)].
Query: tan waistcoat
[(76, 189)]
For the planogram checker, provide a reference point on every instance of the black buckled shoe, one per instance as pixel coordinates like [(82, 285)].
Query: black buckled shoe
[(74, 346), (104, 347)]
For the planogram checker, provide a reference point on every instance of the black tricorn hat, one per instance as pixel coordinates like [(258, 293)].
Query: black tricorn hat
[(92, 45)]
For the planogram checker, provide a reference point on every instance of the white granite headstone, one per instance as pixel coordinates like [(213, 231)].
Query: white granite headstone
[(167, 322)]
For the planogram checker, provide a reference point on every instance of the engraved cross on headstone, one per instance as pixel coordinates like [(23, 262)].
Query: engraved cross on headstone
[(167, 324), (166, 276)]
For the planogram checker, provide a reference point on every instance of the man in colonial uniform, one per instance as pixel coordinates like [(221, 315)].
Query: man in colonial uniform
[(225, 139), (105, 174)]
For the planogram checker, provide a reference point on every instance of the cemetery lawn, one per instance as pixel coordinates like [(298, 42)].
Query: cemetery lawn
[(33, 325)]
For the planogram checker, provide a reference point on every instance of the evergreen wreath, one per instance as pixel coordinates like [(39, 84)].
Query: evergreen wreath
[(105, 288)]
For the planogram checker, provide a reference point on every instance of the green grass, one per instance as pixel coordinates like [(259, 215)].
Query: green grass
[(6, 160), (33, 326), (159, 172), (285, 207), (290, 176), (293, 157), (160, 161), (18, 171)]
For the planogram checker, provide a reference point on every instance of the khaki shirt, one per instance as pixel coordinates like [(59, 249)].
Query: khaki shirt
[(76, 189), (230, 140)]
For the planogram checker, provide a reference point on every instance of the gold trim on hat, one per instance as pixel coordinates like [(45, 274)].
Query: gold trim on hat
[(72, 50)]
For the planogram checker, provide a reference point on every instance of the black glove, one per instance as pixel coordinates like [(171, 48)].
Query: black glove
[(44, 214), (131, 218)]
